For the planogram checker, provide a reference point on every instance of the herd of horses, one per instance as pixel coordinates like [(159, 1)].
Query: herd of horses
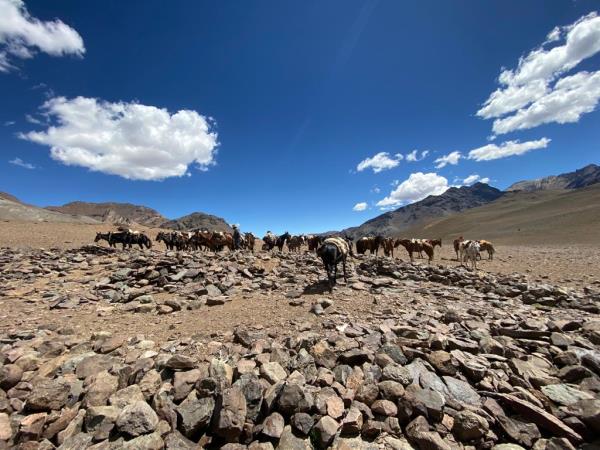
[(331, 249)]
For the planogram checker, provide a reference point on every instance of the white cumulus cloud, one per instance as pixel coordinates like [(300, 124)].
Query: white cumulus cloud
[(134, 141), (509, 148), (539, 90), (571, 97), (379, 162), (19, 162), (414, 155), (360, 206), (474, 178), (21, 35), (418, 186), (451, 158)]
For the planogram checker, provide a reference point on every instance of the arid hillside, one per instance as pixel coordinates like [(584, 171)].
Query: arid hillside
[(524, 218)]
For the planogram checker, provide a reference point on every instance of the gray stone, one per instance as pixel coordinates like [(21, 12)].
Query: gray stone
[(100, 420), (469, 426), (180, 362), (302, 423), (231, 414), (273, 425), (462, 391), (289, 441), (397, 373), (48, 395), (195, 414), (137, 418), (10, 375), (325, 430), (273, 372), (564, 394)]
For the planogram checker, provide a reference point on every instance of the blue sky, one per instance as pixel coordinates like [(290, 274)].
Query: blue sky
[(262, 111)]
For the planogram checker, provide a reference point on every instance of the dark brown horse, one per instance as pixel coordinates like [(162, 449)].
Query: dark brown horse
[(413, 245), (371, 243), (249, 241), (388, 247)]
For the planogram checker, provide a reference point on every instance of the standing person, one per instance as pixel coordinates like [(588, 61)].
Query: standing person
[(237, 238)]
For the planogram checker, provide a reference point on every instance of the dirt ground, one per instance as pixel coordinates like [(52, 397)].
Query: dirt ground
[(569, 266)]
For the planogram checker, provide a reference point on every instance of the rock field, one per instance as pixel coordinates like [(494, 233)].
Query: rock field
[(105, 349)]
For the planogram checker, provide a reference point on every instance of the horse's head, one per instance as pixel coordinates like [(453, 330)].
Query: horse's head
[(98, 237)]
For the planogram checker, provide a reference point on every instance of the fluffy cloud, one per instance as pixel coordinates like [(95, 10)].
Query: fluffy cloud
[(475, 178), (379, 162), (508, 148), (414, 155), (360, 206), (19, 162), (134, 141), (571, 97), (22, 35), (534, 93), (451, 158), (418, 186)]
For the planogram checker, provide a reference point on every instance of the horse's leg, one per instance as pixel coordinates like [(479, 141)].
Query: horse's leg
[(344, 267), (335, 273)]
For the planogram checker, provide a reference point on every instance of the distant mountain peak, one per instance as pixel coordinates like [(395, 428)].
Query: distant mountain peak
[(197, 220), (454, 200), (586, 176)]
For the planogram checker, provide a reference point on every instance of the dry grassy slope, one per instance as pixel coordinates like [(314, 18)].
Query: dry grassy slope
[(542, 217), (14, 210)]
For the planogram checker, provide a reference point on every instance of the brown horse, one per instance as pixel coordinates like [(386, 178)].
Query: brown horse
[(488, 247), (249, 241), (314, 242), (456, 243), (413, 245), (294, 243), (369, 243), (388, 247), (434, 242)]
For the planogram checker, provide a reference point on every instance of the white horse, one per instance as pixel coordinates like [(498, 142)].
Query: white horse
[(469, 251)]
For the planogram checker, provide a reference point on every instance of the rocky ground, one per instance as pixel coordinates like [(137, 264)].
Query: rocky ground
[(108, 349)]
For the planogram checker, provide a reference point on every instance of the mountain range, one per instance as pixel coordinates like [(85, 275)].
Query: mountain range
[(456, 200), (450, 205), (11, 208), (583, 177), (450, 202)]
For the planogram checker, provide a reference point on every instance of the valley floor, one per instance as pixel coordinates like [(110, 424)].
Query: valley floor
[(400, 356)]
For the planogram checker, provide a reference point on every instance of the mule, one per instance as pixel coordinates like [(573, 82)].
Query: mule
[(333, 251)]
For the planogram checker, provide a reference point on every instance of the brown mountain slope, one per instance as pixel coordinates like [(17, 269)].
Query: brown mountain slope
[(586, 176), (11, 209), (435, 206), (10, 197), (198, 220), (114, 212), (522, 218)]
